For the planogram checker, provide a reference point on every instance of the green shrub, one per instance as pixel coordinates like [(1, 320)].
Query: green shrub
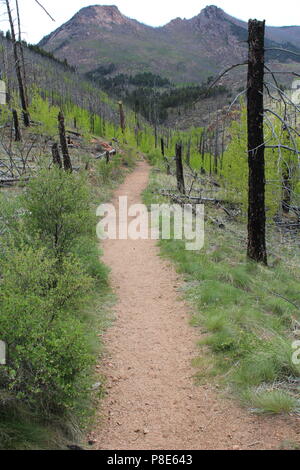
[(48, 350), (58, 210), (49, 270), (89, 253)]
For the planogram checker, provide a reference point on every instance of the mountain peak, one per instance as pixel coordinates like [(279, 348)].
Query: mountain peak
[(212, 12), (183, 50), (98, 14)]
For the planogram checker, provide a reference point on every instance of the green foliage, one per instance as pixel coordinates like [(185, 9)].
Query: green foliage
[(249, 330), (146, 93), (88, 254), (272, 401), (235, 166), (145, 79), (48, 350), (57, 209), (49, 271)]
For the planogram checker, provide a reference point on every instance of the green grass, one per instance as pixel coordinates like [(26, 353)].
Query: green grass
[(272, 401), (248, 329)]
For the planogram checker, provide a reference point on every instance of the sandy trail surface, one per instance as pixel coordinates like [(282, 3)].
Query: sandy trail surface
[(152, 400)]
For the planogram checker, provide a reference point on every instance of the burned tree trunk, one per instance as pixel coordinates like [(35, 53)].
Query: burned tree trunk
[(122, 117), (20, 44), (21, 84), (216, 149), (179, 169), (286, 188), (287, 174), (202, 151), (18, 135), (162, 143), (162, 146), (63, 143), (256, 147), (56, 156), (188, 153)]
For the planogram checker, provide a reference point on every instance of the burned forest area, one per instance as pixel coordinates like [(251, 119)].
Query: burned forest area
[(149, 234)]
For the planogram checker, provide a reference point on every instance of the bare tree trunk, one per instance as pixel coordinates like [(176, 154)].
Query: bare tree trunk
[(223, 146), (286, 188), (188, 153), (26, 116), (7, 74), (63, 143), (18, 135), (202, 150), (56, 156), (162, 144), (22, 53), (216, 150), (155, 135), (122, 117), (287, 174), (256, 148), (179, 169)]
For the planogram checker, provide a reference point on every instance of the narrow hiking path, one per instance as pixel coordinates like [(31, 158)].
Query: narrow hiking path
[(152, 401)]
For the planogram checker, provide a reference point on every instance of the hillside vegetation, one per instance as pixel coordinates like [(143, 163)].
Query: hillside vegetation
[(55, 297)]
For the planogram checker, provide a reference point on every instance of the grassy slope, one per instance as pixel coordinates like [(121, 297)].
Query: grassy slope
[(246, 330)]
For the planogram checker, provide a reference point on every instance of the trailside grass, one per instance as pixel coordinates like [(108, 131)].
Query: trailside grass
[(246, 313)]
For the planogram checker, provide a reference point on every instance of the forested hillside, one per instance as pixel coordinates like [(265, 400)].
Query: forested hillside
[(54, 79)]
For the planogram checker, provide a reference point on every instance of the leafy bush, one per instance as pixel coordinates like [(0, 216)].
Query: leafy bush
[(48, 350), (57, 209), (49, 268)]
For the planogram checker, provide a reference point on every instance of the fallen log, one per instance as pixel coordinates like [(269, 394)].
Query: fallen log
[(104, 154), (12, 181), (194, 199), (68, 131)]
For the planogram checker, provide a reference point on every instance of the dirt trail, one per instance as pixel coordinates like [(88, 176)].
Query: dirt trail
[(152, 401)]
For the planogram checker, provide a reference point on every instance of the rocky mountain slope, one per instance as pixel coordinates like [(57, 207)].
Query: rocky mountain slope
[(183, 50)]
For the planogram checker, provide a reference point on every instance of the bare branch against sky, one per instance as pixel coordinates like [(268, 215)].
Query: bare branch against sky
[(42, 6)]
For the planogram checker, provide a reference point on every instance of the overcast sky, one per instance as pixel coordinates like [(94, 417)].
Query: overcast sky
[(36, 24)]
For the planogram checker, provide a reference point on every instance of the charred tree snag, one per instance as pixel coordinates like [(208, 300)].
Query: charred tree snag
[(256, 147), (179, 169), (63, 143), (20, 44), (122, 117), (286, 188), (56, 156), (188, 153), (18, 135), (287, 174), (162, 144), (18, 69)]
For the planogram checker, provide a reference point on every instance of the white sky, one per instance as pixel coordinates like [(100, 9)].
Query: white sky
[(36, 24)]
